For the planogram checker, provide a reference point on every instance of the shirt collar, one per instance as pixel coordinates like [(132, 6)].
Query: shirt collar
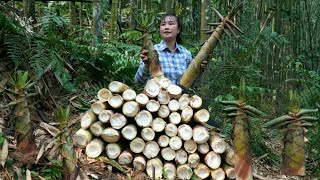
[(164, 46)]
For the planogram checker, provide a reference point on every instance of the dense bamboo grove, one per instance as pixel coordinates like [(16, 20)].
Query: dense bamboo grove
[(72, 49)]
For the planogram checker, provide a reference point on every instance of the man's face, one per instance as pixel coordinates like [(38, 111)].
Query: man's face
[(169, 28)]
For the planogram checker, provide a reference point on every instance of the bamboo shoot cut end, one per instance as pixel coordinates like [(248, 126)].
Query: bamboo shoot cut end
[(110, 135), (164, 97), (184, 172), (116, 101), (190, 146), (113, 150), (130, 108), (104, 95), (152, 89), (147, 134), (202, 171), (153, 106), (154, 167), (142, 99), (125, 158), (170, 170), (213, 160), (98, 106), (163, 141), (117, 87), (203, 148), (144, 118), (158, 124), (87, 119), (175, 118), (218, 174), (129, 95), (181, 156), (185, 132), (200, 134), (164, 83), (230, 171), (217, 144), (97, 128), (168, 153), (139, 163), (137, 145), (193, 160), (94, 148), (184, 101), (195, 102), (118, 121), (151, 149), (82, 137), (163, 111), (129, 132), (186, 114), (175, 143), (171, 130), (173, 105), (175, 91), (202, 116), (105, 115)]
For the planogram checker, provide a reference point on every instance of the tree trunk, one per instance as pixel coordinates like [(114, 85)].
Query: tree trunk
[(114, 17), (169, 6), (98, 20), (132, 18), (29, 9), (72, 13)]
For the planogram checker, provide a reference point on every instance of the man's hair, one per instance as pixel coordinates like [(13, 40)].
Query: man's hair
[(163, 18)]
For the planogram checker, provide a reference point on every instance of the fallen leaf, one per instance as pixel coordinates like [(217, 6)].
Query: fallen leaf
[(4, 152)]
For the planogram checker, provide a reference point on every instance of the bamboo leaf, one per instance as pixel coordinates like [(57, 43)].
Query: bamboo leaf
[(308, 118), (228, 109), (306, 111), (254, 110), (230, 103), (276, 121)]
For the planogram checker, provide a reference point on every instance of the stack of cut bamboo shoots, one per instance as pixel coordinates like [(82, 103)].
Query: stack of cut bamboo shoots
[(160, 131)]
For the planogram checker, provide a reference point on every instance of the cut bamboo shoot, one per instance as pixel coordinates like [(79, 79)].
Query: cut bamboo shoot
[(98, 106), (168, 154), (175, 118), (105, 115), (158, 124), (147, 134), (202, 171), (190, 146), (137, 145), (152, 89), (153, 106), (164, 83), (94, 148), (184, 101), (97, 128), (117, 87), (144, 118), (217, 144), (185, 132), (116, 101), (163, 141), (170, 170), (154, 168), (173, 105), (203, 148), (82, 137), (202, 116), (181, 156), (218, 174), (195, 102), (230, 171), (193, 160), (151, 149), (129, 132), (171, 130), (187, 114), (175, 143), (142, 99), (163, 111), (200, 134), (164, 97), (87, 119), (130, 108), (139, 163), (129, 95), (125, 157), (184, 172), (118, 121), (229, 155), (104, 95), (110, 135), (113, 150), (175, 91), (213, 160)]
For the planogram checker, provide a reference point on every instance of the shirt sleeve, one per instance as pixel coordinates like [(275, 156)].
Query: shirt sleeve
[(142, 74)]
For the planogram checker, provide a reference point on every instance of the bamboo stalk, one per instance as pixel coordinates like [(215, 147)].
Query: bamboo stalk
[(218, 174), (170, 170), (202, 171), (158, 124), (193, 160), (142, 99), (110, 135), (168, 154), (163, 111), (117, 87), (130, 108), (184, 172), (151, 149), (163, 141), (94, 148), (185, 132), (147, 134), (175, 143), (129, 95), (137, 145), (129, 132), (113, 150), (82, 137), (144, 118), (171, 130), (118, 121)]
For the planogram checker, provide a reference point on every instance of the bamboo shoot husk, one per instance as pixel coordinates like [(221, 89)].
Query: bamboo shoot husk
[(163, 111), (152, 89), (173, 105), (153, 106), (202, 116), (130, 108), (118, 121), (171, 130), (94, 148), (175, 143), (163, 141), (175, 118), (170, 170), (186, 114), (230, 171), (193, 160), (104, 95), (139, 163), (164, 83), (202, 171), (181, 156), (87, 119), (129, 95), (142, 99), (82, 137), (158, 124), (185, 132), (98, 106), (190, 146), (151, 149), (184, 101), (217, 144), (147, 134), (117, 87), (203, 148), (97, 128), (125, 157), (195, 102), (200, 134), (218, 174), (110, 135), (116, 101), (168, 154), (113, 150), (137, 145), (129, 132), (213, 160), (184, 172), (105, 115), (164, 97), (154, 168), (174, 91), (144, 118)]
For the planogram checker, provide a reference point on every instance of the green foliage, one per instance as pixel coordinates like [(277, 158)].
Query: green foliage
[(2, 138), (53, 171)]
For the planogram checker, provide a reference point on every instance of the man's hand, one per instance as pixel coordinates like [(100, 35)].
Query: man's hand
[(144, 56)]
